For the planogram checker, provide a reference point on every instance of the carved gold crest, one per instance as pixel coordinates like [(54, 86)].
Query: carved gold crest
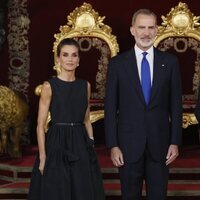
[(84, 21), (180, 21)]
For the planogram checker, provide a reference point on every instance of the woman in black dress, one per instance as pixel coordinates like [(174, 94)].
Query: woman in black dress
[(66, 167)]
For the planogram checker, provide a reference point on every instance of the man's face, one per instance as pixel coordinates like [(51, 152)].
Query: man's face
[(144, 30)]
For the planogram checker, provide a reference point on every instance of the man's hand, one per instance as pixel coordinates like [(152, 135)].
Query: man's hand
[(117, 157), (172, 154)]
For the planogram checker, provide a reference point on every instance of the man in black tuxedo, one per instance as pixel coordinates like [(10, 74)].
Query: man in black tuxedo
[(143, 112)]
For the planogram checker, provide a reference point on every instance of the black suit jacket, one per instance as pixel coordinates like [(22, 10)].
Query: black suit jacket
[(129, 123)]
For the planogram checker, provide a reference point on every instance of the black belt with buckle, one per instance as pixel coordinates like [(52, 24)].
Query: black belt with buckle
[(69, 123)]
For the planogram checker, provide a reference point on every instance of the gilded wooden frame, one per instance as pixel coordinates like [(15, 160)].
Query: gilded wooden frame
[(181, 22)]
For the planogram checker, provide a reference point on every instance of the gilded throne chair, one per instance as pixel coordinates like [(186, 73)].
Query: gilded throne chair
[(97, 46), (180, 34)]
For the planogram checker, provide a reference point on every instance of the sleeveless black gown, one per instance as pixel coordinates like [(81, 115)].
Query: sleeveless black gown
[(71, 170)]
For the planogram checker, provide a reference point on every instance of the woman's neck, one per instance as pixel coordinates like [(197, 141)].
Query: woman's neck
[(70, 76)]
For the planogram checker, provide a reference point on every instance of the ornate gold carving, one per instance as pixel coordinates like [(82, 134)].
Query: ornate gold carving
[(96, 115), (189, 119), (180, 21), (84, 21), (14, 111), (181, 26)]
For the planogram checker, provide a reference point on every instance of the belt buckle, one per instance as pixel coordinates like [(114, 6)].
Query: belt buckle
[(72, 124)]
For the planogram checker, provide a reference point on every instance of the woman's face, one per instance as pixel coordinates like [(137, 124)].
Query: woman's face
[(69, 58)]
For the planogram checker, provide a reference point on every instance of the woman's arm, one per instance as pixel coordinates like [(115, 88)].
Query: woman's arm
[(87, 121), (44, 104)]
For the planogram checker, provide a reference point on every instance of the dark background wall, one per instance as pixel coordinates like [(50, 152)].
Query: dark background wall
[(46, 16)]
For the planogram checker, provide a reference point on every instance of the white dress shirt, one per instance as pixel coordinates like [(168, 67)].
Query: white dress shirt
[(139, 57)]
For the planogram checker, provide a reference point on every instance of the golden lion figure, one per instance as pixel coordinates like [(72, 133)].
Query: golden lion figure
[(13, 112)]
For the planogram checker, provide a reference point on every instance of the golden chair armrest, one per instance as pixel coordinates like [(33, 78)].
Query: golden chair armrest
[(189, 119), (96, 115)]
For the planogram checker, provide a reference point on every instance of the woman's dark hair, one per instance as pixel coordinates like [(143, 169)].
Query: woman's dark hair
[(67, 41)]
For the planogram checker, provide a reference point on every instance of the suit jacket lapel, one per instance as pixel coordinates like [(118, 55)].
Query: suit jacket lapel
[(132, 73), (157, 73)]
